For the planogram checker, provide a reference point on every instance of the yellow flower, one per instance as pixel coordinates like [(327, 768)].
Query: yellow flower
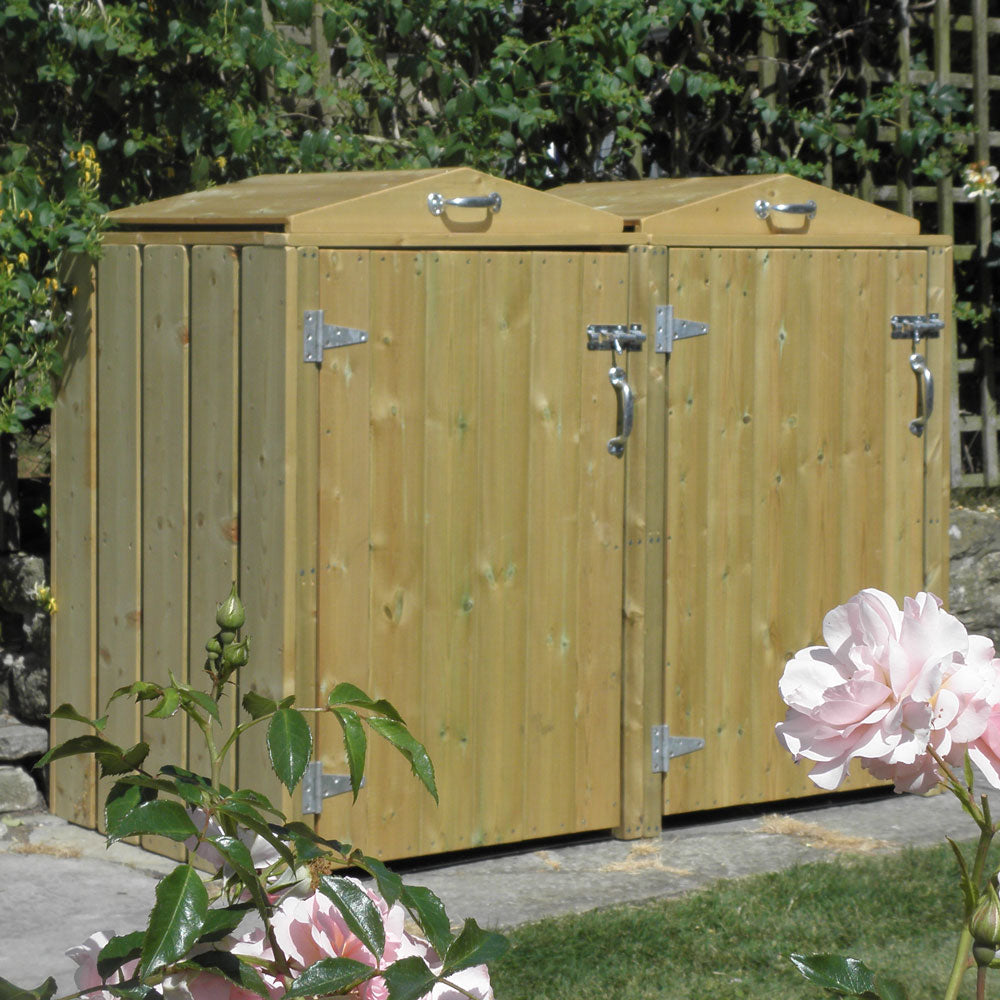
[(22, 259), (220, 162), (52, 284), (10, 268), (25, 213)]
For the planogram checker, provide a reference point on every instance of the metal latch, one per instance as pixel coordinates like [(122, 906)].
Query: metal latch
[(666, 746), (669, 329), (916, 327), (317, 786), (615, 337), (318, 336)]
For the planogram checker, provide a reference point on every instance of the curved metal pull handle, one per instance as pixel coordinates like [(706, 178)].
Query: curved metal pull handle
[(626, 409), (763, 208), (436, 202), (925, 387)]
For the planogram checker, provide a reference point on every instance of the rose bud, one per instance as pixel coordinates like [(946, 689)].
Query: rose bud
[(984, 925), (230, 614)]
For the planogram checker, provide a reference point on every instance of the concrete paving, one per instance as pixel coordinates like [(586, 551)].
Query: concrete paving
[(59, 883)]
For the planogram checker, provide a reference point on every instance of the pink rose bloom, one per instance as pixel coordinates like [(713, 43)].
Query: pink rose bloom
[(887, 686), (208, 986), (262, 853)]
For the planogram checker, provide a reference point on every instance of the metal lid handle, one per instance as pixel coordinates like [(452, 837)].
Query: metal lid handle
[(764, 208), (436, 202)]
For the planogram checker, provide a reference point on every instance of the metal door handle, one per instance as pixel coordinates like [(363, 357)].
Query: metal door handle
[(436, 202), (764, 208), (925, 390), (626, 408)]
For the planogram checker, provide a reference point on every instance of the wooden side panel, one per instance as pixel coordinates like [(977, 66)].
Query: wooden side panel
[(74, 560), (165, 504), (343, 558), (793, 482), (267, 483), (119, 488), (937, 459), (214, 478)]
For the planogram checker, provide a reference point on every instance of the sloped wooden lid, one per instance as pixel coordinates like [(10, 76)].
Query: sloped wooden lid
[(727, 206), (375, 203)]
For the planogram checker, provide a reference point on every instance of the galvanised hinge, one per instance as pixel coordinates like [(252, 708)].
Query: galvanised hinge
[(318, 336), (669, 329), (666, 746), (317, 786)]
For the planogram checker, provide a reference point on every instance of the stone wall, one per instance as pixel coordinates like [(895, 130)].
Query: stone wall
[(24, 643)]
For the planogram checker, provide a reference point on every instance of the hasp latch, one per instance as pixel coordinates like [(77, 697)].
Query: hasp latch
[(669, 328), (666, 746), (916, 327), (317, 786), (615, 337), (319, 336)]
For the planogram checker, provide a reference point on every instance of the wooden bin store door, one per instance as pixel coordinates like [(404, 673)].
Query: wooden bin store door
[(793, 481), (470, 541)]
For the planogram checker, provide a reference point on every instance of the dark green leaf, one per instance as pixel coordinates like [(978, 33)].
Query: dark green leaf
[(408, 979), (889, 989), (969, 892), (430, 914), (232, 968), (390, 885), (168, 704), (289, 743), (122, 763), (257, 705), (67, 711), (161, 817), (358, 910), (308, 844), (141, 690), (249, 817), (473, 946), (118, 951), (221, 921), (399, 736), (177, 919), (356, 745), (835, 972), (328, 976), (8, 991), (79, 745), (200, 698)]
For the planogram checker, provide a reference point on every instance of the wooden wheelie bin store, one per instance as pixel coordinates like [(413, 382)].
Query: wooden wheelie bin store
[(567, 476)]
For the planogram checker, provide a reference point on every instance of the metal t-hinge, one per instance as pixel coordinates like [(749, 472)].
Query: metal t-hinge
[(669, 329), (318, 336), (317, 786), (916, 327), (666, 746)]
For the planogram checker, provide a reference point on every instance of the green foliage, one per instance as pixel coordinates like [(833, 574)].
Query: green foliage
[(189, 923)]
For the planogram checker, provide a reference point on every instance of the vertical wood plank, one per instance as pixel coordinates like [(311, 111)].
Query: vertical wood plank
[(552, 550), (451, 585), (608, 296), (399, 386), (119, 488), (267, 480), (303, 441), (72, 782), (937, 458), (214, 474), (165, 499), (345, 496), (503, 541)]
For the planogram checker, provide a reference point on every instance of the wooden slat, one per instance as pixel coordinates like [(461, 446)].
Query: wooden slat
[(72, 782), (504, 419), (345, 495), (551, 653), (119, 488), (165, 503), (398, 403), (214, 476), (937, 463), (607, 297), (267, 475), (451, 584), (302, 447)]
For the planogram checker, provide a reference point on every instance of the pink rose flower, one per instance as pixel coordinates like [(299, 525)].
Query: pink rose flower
[(888, 686)]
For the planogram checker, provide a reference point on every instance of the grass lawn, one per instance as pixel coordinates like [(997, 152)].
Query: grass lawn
[(900, 914)]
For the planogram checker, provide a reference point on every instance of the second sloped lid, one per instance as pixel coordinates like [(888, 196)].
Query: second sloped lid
[(764, 205)]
